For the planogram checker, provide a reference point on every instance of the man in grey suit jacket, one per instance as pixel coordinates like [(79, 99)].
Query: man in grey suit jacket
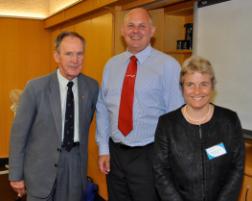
[(40, 163)]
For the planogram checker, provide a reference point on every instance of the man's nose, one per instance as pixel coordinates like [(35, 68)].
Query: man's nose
[(75, 58)]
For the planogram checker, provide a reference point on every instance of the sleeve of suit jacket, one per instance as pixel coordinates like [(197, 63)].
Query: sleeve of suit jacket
[(20, 132)]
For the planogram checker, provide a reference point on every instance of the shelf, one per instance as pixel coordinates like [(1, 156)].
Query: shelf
[(184, 52), (180, 55)]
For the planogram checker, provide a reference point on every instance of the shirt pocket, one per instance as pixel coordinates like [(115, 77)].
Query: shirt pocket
[(112, 97), (149, 91)]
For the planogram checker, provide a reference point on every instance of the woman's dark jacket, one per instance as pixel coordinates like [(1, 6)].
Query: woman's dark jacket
[(182, 169)]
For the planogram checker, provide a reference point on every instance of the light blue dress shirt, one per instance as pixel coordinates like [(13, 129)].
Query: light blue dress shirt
[(157, 91)]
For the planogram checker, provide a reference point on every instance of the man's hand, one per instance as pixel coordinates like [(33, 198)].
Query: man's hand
[(104, 163), (19, 187)]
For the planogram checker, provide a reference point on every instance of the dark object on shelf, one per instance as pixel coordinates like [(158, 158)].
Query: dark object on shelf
[(183, 44), (189, 34), (186, 44), (179, 44)]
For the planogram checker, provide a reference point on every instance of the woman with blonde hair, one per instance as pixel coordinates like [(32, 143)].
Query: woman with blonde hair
[(199, 148)]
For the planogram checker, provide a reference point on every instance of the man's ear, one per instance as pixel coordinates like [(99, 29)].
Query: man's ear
[(56, 56), (153, 31)]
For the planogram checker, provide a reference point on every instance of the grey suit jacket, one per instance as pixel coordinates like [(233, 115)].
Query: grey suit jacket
[(36, 132)]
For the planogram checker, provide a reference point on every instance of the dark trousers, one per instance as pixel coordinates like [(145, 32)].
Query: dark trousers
[(131, 176)]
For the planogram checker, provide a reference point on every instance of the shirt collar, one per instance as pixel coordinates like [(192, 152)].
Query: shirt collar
[(63, 81), (141, 56)]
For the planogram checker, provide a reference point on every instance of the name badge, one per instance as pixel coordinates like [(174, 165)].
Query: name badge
[(216, 151)]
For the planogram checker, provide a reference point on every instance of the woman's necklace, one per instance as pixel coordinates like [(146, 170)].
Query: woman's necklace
[(197, 121)]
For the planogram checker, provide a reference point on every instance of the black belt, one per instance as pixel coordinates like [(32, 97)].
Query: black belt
[(124, 146)]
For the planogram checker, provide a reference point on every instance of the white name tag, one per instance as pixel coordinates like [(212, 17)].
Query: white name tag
[(216, 151)]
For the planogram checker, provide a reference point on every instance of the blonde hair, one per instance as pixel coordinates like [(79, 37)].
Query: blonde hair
[(197, 64)]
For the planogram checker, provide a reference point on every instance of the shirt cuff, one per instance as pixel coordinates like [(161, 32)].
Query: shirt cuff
[(104, 149)]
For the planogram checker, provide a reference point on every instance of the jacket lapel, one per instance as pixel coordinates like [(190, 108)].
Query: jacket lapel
[(55, 103)]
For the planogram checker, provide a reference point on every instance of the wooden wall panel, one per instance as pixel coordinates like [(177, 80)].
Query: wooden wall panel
[(158, 21), (119, 45), (98, 34), (173, 31), (24, 54), (76, 11)]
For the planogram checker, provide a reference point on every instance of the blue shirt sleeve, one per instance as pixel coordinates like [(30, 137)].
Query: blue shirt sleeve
[(102, 119)]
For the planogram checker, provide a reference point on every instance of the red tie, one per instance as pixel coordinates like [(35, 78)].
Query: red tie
[(125, 120)]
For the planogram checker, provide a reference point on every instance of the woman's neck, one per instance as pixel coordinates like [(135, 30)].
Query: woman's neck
[(197, 116)]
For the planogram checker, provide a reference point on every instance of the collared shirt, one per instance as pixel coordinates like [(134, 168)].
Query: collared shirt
[(63, 95), (157, 91)]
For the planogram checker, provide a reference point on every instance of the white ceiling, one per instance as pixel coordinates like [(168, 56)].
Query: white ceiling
[(38, 9)]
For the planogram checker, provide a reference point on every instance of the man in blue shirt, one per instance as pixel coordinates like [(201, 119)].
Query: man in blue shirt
[(126, 159)]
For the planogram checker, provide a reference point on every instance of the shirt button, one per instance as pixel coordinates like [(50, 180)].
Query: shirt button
[(55, 165), (59, 149)]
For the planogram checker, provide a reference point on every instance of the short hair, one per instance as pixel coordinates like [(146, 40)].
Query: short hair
[(197, 64), (65, 34), (139, 8)]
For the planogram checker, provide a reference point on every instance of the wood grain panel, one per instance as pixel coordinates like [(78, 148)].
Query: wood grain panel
[(78, 10), (25, 54), (174, 30), (158, 21)]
